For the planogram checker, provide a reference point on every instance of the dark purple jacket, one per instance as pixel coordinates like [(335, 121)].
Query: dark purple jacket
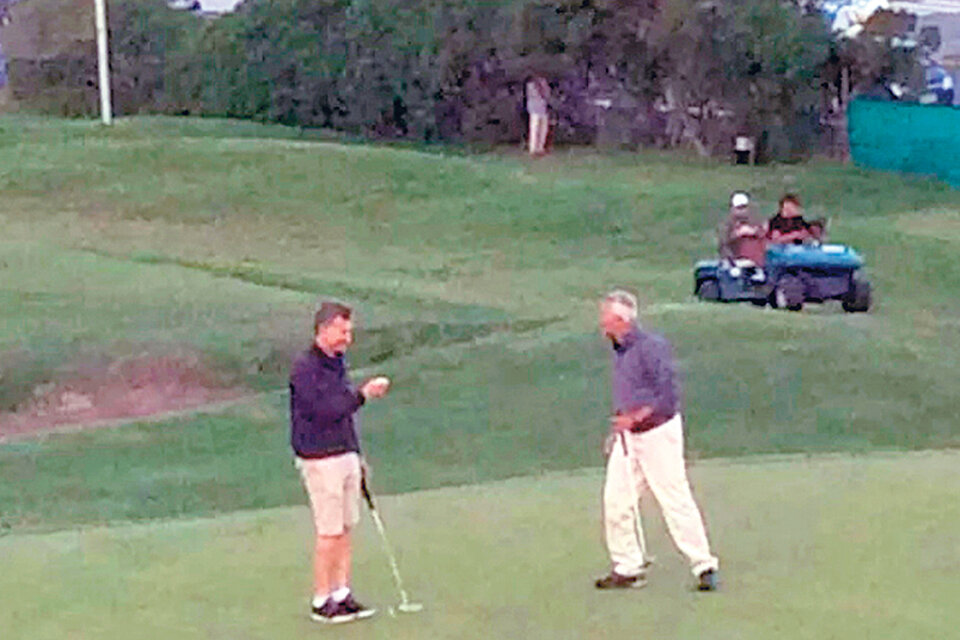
[(322, 404), (644, 375)]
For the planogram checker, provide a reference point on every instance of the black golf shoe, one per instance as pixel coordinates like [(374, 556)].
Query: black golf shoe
[(707, 581), (616, 581), (332, 613), (360, 612)]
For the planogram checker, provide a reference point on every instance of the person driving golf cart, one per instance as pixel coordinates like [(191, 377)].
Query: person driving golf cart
[(743, 239), (788, 226)]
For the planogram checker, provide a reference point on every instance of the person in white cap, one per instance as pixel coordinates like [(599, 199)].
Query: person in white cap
[(743, 237)]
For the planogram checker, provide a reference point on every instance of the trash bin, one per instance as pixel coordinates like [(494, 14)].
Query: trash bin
[(743, 150)]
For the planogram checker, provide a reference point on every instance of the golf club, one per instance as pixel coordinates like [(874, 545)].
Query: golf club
[(405, 605), (634, 496)]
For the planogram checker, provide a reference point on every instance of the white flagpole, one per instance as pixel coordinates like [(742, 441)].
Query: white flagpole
[(103, 62)]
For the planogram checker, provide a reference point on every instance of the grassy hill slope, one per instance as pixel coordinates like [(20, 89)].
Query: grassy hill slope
[(475, 277)]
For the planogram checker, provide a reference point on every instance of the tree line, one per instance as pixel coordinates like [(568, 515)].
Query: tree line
[(630, 72)]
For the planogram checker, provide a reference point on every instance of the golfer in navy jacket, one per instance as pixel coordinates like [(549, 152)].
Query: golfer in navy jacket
[(327, 447), (645, 452)]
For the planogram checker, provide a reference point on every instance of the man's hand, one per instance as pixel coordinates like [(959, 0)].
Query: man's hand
[(620, 423), (791, 236), (375, 387), (747, 230)]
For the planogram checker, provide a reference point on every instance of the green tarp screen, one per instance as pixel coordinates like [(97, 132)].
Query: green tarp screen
[(913, 138)]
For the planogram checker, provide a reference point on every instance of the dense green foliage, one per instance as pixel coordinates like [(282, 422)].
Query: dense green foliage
[(452, 69), (674, 73)]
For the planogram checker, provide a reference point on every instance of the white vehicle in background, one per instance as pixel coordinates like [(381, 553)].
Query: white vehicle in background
[(939, 84), (205, 8)]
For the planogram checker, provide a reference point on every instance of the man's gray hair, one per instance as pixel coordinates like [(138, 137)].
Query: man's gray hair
[(625, 304)]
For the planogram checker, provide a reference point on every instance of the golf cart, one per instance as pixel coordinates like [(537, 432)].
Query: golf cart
[(793, 274)]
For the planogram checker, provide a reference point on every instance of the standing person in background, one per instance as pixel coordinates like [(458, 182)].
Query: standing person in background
[(538, 99), (327, 448), (645, 452)]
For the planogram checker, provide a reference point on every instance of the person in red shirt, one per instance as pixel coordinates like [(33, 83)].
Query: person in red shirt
[(742, 235)]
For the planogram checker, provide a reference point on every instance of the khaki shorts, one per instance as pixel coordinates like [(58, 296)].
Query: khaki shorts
[(333, 485)]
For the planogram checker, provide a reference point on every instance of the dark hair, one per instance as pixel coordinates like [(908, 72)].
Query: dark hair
[(789, 197), (328, 311)]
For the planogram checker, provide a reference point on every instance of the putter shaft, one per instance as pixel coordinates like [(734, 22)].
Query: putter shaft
[(405, 605)]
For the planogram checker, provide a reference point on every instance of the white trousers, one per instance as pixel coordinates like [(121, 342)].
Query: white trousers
[(537, 133), (653, 462)]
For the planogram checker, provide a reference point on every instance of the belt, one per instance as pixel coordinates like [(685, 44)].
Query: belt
[(652, 422)]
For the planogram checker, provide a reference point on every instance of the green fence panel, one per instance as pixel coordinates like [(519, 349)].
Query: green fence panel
[(912, 138)]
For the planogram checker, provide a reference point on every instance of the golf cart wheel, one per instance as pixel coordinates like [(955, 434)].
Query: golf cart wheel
[(788, 294), (858, 298), (708, 290)]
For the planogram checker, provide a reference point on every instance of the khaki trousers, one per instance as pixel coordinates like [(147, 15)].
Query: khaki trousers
[(653, 462), (333, 485)]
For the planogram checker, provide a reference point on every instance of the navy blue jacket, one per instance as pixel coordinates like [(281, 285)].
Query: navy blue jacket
[(644, 375), (322, 404)]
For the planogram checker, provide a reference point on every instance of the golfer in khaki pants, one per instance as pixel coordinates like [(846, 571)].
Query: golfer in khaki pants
[(645, 449)]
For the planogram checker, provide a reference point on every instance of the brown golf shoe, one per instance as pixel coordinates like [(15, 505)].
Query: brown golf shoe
[(616, 581)]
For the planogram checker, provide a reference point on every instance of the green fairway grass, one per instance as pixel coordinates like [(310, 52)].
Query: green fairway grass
[(819, 547)]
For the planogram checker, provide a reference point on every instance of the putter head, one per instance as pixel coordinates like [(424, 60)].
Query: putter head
[(409, 607)]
